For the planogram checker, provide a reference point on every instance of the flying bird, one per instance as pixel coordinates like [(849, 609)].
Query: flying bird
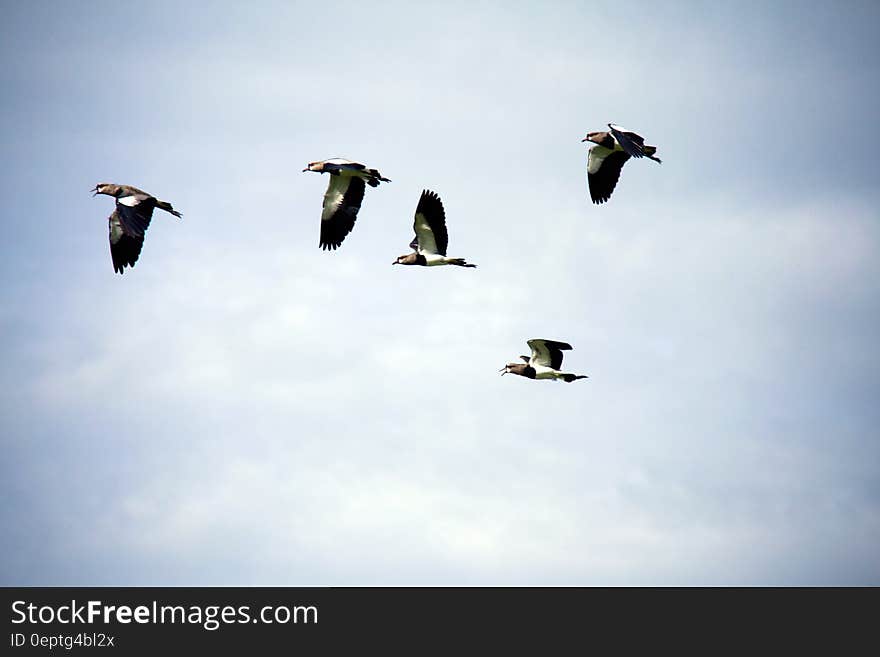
[(129, 221), (343, 197), (608, 156), (545, 362), (431, 237)]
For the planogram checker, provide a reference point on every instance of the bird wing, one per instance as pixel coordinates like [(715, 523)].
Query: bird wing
[(342, 200), (629, 141), (430, 224), (125, 244), (547, 353), (338, 164), (135, 212), (603, 171)]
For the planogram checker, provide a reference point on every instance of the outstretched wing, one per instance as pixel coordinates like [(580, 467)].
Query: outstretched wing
[(125, 243), (342, 201), (547, 353), (629, 141), (603, 172), (430, 224)]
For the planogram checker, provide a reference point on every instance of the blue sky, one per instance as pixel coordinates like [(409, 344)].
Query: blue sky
[(243, 408)]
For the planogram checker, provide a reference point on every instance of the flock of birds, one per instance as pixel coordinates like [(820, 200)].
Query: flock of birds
[(342, 202)]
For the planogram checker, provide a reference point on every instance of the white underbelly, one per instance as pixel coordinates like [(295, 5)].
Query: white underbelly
[(434, 259), (542, 372)]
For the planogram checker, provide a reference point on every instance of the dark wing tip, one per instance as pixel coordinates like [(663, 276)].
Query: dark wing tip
[(604, 180), (564, 346), (333, 234), (431, 206), (125, 252)]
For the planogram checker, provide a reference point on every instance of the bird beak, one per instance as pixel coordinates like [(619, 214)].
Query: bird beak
[(394, 263), (585, 139), (95, 190), (306, 169), (503, 371)]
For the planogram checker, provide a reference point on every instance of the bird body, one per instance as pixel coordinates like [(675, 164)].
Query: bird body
[(435, 259), (544, 363), (611, 151), (343, 198), (547, 373), (129, 221), (431, 238)]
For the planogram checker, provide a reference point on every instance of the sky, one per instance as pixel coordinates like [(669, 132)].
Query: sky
[(242, 408)]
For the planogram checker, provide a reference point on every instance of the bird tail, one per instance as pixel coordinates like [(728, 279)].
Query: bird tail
[(649, 152), (375, 178), (568, 378), (460, 262), (165, 205)]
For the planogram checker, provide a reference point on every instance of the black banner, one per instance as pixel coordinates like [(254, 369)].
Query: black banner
[(132, 621)]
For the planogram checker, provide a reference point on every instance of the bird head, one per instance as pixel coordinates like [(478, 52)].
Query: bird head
[(408, 259), (104, 188), (513, 368)]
